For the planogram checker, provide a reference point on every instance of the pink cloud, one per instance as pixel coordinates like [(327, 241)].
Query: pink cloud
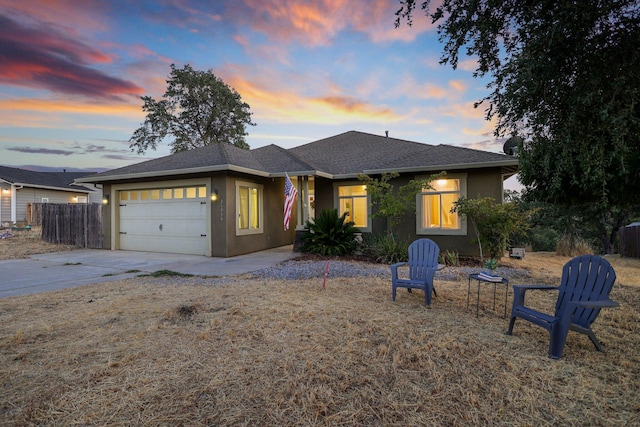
[(349, 105), (88, 17), (289, 104), (46, 58), (317, 23), (39, 113)]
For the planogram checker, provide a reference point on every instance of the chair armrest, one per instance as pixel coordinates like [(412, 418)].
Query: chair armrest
[(540, 287), (572, 306), (520, 290), (605, 303), (398, 264), (394, 269)]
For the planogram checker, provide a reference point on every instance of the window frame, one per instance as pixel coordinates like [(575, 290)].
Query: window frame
[(462, 192), (337, 198), (260, 228)]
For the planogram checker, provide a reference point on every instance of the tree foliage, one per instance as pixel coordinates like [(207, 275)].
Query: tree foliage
[(392, 204), (565, 76), (197, 109), (493, 223)]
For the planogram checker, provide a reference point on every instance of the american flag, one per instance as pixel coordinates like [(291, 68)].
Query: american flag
[(290, 194)]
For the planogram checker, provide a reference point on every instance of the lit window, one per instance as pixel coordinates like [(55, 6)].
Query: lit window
[(249, 208), (435, 204), (353, 200), (191, 192)]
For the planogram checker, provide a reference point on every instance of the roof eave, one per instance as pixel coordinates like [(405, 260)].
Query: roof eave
[(303, 173), (509, 164), (49, 187), (188, 171)]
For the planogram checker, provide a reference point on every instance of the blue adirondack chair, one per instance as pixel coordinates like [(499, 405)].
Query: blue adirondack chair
[(423, 264), (583, 291)]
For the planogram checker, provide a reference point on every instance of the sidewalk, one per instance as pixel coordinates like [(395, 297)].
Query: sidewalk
[(59, 270)]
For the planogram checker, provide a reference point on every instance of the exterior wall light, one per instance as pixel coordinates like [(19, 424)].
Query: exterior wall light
[(214, 195), (105, 199)]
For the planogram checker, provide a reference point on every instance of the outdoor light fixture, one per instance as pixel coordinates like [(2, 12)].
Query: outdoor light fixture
[(5, 190), (214, 195), (105, 199)]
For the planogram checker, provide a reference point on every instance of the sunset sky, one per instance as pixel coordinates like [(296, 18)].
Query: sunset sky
[(72, 73)]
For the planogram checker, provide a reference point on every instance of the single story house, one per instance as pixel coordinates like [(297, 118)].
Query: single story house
[(21, 187), (223, 201)]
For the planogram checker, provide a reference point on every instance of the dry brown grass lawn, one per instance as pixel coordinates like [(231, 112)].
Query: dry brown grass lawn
[(25, 243), (249, 351)]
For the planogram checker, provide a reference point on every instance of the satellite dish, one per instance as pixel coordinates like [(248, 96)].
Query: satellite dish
[(511, 145)]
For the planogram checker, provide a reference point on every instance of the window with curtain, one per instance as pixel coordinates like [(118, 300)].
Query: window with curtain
[(434, 207), (353, 199), (249, 208)]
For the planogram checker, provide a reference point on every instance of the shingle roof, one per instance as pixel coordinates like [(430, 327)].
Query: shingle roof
[(355, 152), (347, 154), (56, 180), (215, 155)]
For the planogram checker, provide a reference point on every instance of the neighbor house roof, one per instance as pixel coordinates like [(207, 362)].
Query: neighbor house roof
[(341, 156), (63, 181)]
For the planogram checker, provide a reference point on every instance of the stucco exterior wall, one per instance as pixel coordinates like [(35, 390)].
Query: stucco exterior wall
[(222, 213), (273, 234), (222, 217), (479, 183)]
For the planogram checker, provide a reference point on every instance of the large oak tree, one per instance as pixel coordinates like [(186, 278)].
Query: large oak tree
[(565, 76), (197, 109)]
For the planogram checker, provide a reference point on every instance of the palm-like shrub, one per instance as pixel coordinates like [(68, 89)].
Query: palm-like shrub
[(329, 234)]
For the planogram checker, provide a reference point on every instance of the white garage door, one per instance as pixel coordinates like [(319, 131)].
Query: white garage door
[(172, 220)]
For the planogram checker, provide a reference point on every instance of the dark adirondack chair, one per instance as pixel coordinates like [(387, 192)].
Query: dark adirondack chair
[(583, 291), (423, 264)]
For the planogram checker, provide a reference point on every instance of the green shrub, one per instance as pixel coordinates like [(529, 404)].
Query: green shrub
[(543, 239), (449, 258), (387, 249), (493, 223), (491, 264), (329, 234)]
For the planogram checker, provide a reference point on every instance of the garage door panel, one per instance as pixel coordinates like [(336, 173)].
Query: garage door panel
[(166, 243), (172, 226)]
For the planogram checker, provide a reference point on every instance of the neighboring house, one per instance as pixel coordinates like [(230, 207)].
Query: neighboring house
[(20, 187), (220, 200)]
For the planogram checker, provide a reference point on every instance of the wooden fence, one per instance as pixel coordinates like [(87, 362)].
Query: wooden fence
[(34, 214), (630, 241), (77, 224)]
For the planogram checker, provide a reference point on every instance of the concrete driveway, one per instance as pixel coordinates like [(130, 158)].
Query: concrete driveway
[(53, 271)]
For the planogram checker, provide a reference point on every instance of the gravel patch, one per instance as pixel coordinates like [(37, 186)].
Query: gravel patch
[(309, 269), (294, 269)]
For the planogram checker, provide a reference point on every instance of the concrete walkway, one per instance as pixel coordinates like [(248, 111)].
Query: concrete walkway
[(59, 270)]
